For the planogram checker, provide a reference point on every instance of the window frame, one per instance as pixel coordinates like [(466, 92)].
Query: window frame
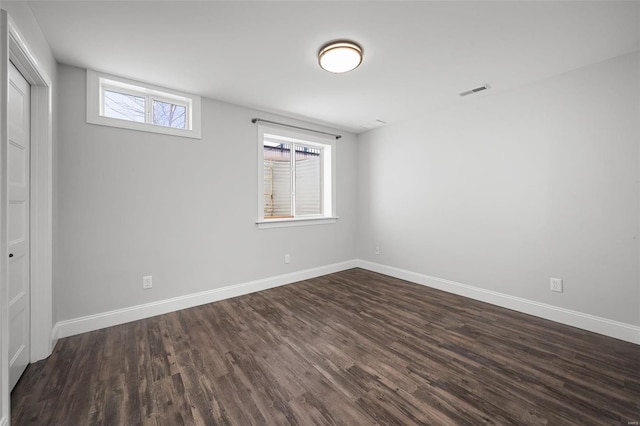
[(98, 82), (327, 177)]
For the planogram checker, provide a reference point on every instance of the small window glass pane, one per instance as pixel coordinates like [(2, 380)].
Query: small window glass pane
[(308, 196), (277, 180), (124, 106), (169, 115)]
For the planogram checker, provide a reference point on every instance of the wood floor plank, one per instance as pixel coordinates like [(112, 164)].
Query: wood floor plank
[(351, 348)]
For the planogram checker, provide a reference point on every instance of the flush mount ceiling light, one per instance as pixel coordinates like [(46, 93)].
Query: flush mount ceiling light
[(340, 56)]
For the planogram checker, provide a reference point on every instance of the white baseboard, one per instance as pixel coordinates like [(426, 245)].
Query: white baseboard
[(55, 335), (607, 327), (120, 316)]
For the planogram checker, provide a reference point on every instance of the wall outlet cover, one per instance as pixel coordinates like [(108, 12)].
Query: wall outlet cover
[(147, 282), (556, 284)]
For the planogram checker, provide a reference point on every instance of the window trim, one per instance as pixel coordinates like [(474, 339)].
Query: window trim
[(327, 172), (98, 82)]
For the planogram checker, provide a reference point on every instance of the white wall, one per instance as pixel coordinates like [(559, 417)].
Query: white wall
[(182, 210), (504, 190)]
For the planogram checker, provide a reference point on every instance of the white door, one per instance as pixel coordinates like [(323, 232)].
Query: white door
[(18, 217)]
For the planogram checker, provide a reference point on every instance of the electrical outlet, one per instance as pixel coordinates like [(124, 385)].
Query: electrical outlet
[(377, 251), (287, 258), (147, 282), (556, 284)]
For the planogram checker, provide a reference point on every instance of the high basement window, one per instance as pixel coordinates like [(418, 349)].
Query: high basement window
[(120, 102)]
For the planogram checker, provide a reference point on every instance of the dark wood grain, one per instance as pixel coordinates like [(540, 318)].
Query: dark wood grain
[(351, 348)]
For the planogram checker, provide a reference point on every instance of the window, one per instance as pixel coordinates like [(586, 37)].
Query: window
[(119, 102), (296, 178)]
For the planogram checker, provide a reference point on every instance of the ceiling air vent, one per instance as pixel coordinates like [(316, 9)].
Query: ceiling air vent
[(476, 90), (373, 124)]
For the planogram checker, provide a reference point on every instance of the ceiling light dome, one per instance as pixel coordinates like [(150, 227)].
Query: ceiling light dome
[(340, 56)]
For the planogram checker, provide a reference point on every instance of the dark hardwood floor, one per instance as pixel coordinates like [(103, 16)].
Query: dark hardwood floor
[(351, 348)]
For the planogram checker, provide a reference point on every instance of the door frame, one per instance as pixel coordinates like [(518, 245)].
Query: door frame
[(14, 48)]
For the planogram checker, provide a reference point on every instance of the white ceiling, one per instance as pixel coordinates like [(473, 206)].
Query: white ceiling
[(417, 55)]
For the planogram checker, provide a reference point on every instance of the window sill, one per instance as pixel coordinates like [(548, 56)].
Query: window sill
[(283, 223), (143, 127)]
